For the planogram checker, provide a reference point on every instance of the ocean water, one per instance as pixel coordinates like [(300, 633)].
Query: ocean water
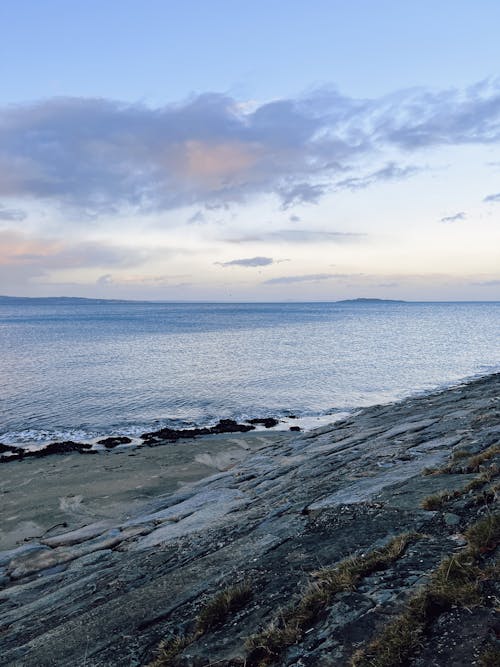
[(81, 369)]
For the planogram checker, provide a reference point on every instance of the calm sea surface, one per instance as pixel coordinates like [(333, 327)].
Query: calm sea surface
[(77, 370)]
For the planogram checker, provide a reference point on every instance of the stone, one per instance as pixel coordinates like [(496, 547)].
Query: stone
[(451, 519), (109, 443)]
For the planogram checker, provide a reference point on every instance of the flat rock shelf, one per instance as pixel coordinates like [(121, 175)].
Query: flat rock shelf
[(306, 552)]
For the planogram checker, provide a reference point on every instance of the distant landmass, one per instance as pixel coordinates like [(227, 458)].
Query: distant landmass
[(4, 297), (366, 300), (80, 299)]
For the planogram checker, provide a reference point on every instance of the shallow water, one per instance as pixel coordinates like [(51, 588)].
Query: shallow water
[(79, 369)]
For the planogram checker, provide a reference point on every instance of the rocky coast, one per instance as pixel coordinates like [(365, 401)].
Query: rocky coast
[(372, 541)]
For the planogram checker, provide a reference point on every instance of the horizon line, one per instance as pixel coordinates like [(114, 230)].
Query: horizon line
[(353, 299)]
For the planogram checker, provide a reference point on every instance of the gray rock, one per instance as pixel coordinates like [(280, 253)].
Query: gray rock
[(105, 595)]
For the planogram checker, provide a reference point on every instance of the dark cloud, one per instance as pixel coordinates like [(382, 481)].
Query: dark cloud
[(302, 193), (12, 214), (492, 199), (100, 156), (250, 262), (454, 218), (312, 277), (197, 218)]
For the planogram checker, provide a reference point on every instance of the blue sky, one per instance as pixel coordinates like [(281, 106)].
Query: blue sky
[(236, 150)]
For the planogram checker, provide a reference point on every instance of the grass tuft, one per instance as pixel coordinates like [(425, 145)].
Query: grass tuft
[(474, 463), (169, 649), (289, 626), (490, 657), (484, 535), (460, 454), (456, 582), (213, 615), (223, 605), (435, 501)]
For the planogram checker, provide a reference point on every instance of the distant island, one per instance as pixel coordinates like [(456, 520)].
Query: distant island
[(79, 299), (367, 300)]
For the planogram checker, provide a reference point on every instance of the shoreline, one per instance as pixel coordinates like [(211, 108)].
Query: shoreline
[(297, 502), (112, 485), (306, 422)]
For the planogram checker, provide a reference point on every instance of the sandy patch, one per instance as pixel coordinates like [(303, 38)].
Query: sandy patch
[(78, 489)]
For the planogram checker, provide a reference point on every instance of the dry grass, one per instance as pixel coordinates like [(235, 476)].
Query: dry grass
[(472, 464), (484, 535), (168, 650), (213, 615), (456, 582), (224, 604), (460, 454), (435, 501), (490, 657), (289, 626), (475, 462)]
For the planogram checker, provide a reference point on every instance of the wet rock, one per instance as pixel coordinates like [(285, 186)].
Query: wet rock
[(172, 435), (451, 519), (61, 448), (111, 442), (65, 447), (112, 594), (267, 422)]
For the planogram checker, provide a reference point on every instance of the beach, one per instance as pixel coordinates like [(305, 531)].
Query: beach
[(385, 496), (75, 489)]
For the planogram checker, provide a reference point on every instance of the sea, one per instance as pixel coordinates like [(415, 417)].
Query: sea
[(75, 369)]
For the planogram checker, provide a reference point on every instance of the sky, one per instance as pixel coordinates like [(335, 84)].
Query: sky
[(250, 151)]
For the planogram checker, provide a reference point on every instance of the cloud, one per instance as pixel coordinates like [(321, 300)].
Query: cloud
[(197, 218), (312, 277), (100, 156), (454, 218), (488, 283), (104, 281), (492, 199), (299, 236), (12, 214), (250, 261), (302, 193), (38, 255), (390, 172)]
